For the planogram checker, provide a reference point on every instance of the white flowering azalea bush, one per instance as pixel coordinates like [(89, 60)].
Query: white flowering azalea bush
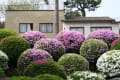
[(109, 63), (3, 60), (85, 75)]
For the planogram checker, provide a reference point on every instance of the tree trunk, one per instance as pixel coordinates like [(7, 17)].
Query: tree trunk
[(56, 16), (83, 12)]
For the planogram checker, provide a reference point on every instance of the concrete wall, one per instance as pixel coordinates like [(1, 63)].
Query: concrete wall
[(87, 26), (14, 18)]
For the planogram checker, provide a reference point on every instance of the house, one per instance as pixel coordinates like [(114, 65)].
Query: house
[(27, 20), (42, 19), (23, 20), (87, 25)]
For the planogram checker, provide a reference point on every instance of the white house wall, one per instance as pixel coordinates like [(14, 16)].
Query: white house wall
[(87, 26)]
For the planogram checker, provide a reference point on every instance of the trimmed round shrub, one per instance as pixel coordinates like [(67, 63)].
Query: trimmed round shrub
[(31, 55), (92, 49), (105, 35), (13, 46), (44, 67), (6, 32), (2, 74), (109, 63), (72, 40), (33, 36), (47, 77), (53, 46), (73, 62), (116, 44), (20, 78), (85, 75), (3, 60)]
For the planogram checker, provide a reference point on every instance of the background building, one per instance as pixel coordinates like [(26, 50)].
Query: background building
[(86, 25)]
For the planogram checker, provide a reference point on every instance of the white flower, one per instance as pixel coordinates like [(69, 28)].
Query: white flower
[(109, 63)]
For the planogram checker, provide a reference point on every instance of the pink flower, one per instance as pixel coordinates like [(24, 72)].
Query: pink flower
[(2, 41), (19, 41)]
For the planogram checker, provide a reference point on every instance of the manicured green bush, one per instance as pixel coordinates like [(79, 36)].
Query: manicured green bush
[(2, 74), (73, 62), (85, 75), (3, 60), (53, 46), (47, 77), (20, 78), (31, 55), (44, 67), (115, 45), (6, 32), (92, 49), (13, 46), (109, 64)]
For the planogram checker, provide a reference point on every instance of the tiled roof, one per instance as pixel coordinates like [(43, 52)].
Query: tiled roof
[(88, 19)]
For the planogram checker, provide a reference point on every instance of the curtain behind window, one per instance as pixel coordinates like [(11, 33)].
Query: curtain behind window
[(22, 27)]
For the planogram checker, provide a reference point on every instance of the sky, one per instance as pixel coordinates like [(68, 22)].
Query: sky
[(110, 8)]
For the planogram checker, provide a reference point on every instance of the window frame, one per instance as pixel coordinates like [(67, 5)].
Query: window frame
[(26, 27), (46, 27), (78, 27), (101, 27)]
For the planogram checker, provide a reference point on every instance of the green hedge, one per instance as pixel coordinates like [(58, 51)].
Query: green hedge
[(73, 62), (48, 77), (13, 46), (42, 67)]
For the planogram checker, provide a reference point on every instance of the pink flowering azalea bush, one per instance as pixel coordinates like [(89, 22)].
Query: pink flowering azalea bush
[(105, 35), (72, 40), (73, 62), (116, 44), (92, 49), (53, 46), (33, 36), (31, 56), (44, 67), (13, 46)]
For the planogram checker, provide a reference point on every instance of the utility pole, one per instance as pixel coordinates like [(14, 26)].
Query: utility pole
[(56, 16)]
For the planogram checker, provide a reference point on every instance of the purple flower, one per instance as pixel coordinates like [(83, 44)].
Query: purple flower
[(31, 56), (33, 36), (53, 46), (104, 35), (72, 40)]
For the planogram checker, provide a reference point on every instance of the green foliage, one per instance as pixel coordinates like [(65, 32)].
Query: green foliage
[(73, 62), (81, 5), (49, 67), (20, 78), (92, 49), (47, 77), (6, 32), (2, 74), (85, 75), (13, 46)]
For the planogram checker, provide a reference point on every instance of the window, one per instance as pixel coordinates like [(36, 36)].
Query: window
[(100, 28), (80, 29), (46, 28), (25, 27)]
